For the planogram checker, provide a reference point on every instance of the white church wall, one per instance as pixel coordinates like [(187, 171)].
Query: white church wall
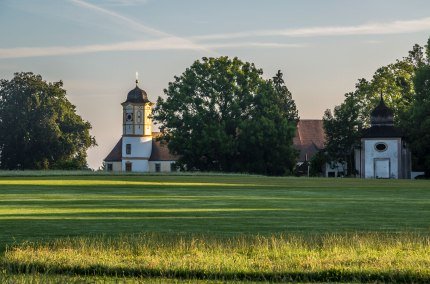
[(141, 147), (371, 155), (137, 165)]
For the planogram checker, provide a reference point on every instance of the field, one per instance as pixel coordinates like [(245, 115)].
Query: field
[(234, 227)]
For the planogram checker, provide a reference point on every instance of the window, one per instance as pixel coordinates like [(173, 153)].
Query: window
[(128, 149), (128, 167), (109, 167), (381, 147), (157, 167)]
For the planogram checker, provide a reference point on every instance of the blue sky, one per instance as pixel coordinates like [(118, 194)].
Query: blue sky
[(96, 47)]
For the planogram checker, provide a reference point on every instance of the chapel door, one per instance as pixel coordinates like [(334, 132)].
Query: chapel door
[(382, 168)]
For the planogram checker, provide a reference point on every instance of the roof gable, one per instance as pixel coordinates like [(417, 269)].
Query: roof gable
[(116, 154)]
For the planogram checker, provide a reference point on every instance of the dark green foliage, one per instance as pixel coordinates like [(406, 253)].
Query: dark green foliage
[(221, 115), (342, 130), (317, 164), (39, 127), (418, 125)]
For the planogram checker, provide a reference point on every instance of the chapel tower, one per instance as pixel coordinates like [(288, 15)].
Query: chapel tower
[(383, 152)]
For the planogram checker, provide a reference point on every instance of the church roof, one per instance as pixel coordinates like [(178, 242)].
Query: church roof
[(116, 154), (309, 138), (137, 95), (160, 152)]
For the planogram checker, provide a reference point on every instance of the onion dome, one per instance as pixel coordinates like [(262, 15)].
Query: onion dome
[(382, 115), (137, 95), (382, 120)]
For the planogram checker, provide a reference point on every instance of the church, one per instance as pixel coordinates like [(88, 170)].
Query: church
[(138, 149)]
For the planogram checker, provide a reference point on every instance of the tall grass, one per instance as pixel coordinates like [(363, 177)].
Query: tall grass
[(346, 257)]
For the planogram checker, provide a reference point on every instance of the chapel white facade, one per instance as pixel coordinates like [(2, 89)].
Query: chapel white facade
[(138, 149), (383, 152)]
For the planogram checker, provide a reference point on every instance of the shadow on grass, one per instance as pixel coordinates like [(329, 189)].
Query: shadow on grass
[(332, 275)]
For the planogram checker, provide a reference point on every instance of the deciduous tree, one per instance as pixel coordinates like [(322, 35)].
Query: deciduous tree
[(39, 127), (221, 115)]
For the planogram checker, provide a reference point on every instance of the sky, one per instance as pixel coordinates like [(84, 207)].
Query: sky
[(95, 47)]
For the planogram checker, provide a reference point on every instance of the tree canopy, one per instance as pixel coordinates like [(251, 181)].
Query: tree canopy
[(417, 124), (221, 115), (39, 127)]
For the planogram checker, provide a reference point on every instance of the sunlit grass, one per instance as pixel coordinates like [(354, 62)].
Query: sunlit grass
[(351, 257)]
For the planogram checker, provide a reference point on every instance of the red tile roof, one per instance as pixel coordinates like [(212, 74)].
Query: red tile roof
[(309, 139)]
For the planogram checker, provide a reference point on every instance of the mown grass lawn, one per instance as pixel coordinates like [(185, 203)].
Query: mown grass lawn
[(50, 207), (218, 207)]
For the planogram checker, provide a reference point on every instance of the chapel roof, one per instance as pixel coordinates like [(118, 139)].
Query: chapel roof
[(381, 114), (382, 131), (382, 123)]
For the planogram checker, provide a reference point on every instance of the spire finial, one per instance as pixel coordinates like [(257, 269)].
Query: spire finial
[(137, 78)]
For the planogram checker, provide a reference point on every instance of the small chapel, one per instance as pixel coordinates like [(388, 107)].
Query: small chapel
[(383, 152), (138, 150)]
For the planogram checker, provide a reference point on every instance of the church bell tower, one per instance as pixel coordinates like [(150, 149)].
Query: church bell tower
[(137, 131)]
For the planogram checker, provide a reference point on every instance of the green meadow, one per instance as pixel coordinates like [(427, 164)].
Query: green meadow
[(219, 227)]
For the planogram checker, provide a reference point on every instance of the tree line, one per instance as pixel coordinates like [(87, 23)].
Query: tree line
[(220, 114)]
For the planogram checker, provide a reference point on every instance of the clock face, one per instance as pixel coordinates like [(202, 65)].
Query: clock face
[(129, 117)]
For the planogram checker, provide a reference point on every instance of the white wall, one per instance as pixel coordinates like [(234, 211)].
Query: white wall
[(137, 165), (370, 154), (141, 147)]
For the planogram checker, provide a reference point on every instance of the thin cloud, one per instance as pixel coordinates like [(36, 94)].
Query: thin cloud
[(132, 23), (395, 27), (254, 44), (171, 43), (135, 24)]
